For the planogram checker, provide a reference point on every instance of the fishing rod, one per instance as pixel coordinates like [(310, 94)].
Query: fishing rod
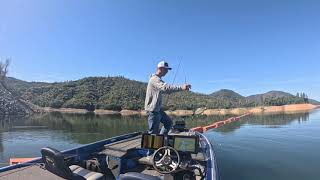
[(174, 79), (185, 81)]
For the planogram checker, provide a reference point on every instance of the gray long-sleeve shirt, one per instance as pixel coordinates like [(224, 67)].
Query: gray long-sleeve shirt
[(156, 87)]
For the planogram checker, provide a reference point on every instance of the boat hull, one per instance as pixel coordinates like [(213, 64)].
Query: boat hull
[(85, 151)]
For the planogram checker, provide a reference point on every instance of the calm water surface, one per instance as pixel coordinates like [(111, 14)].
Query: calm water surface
[(257, 147)]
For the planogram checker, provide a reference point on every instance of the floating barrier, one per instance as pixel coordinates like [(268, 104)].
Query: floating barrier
[(198, 129), (202, 129), (206, 128)]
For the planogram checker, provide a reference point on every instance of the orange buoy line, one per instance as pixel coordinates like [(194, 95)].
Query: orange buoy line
[(19, 160), (202, 129)]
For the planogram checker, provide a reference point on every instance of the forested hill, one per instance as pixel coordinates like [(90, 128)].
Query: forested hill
[(116, 93)]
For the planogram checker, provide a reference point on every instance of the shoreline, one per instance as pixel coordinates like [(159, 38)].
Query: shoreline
[(291, 108)]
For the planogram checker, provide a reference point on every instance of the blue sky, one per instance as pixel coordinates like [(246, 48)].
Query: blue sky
[(249, 46)]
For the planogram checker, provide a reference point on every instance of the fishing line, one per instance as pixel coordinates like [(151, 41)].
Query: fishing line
[(185, 82), (174, 78)]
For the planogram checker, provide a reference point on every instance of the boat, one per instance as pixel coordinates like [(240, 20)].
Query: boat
[(182, 154)]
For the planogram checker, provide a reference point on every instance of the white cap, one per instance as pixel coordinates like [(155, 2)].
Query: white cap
[(164, 64)]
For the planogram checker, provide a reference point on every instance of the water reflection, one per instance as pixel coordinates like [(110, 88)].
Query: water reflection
[(252, 144), (72, 125), (25, 136)]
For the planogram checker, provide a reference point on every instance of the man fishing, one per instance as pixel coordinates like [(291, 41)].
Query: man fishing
[(156, 87)]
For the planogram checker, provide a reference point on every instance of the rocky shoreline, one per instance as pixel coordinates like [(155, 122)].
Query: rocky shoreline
[(292, 108)]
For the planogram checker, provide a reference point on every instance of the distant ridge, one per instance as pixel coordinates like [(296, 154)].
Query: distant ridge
[(276, 96), (312, 101), (227, 94), (271, 94), (117, 93)]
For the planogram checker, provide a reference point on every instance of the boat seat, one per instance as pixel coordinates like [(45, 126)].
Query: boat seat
[(54, 162), (146, 161), (137, 176), (85, 173)]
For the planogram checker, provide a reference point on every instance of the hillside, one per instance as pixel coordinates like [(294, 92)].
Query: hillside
[(117, 93), (227, 94), (271, 94), (17, 86), (90, 93), (312, 101), (275, 98)]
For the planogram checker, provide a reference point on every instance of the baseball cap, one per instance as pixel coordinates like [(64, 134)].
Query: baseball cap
[(164, 64)]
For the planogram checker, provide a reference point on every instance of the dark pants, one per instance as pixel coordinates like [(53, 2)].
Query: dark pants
[(154, 119)]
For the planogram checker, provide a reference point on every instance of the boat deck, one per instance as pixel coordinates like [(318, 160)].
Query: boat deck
[(33, 172), (120, 148), (36, 172)]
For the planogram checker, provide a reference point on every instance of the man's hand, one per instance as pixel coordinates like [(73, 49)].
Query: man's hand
[(186, 87)]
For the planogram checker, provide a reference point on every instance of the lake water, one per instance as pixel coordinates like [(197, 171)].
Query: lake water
[(260, 147)]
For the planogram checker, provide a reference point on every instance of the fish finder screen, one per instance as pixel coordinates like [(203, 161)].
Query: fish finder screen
[(152, 141), (185, 144)]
